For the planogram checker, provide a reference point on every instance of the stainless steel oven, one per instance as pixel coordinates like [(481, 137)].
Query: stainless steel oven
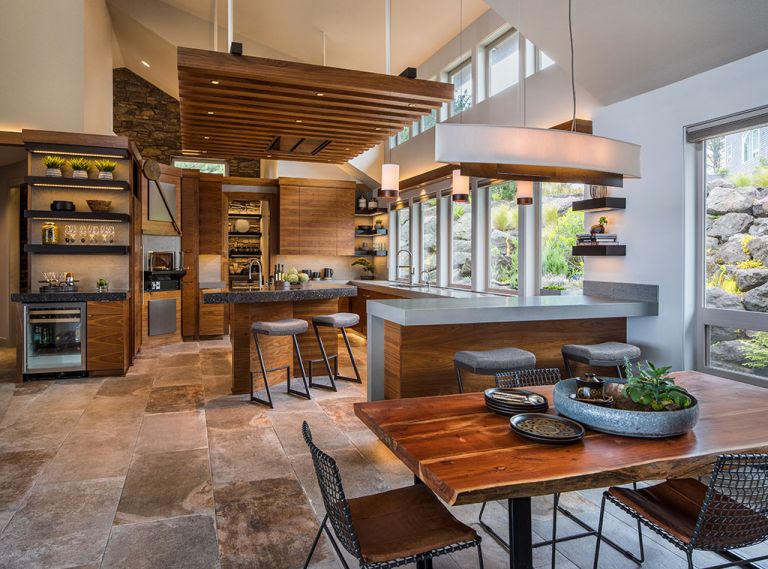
[(54, 338)]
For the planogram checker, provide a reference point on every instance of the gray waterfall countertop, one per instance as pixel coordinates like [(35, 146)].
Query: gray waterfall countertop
[(247, 296), (435, 311)]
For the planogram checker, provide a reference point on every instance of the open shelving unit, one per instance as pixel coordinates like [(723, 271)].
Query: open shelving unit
[(50, 215), (77, 249), (58, 183)]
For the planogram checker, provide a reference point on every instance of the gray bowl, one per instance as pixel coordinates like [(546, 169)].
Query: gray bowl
[(640, 424)]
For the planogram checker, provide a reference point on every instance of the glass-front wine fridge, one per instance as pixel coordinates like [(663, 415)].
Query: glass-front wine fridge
[(54, 338)]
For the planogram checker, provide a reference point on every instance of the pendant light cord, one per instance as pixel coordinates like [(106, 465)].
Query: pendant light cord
[(573, 66)]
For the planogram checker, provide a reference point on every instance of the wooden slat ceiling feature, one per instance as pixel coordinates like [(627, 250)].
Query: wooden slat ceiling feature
[(240, 106)]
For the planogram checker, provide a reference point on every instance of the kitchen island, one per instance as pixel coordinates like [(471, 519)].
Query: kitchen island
[(247, 305), (411, 343)]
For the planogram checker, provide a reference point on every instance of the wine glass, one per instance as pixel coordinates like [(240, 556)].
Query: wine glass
[(93, 230)]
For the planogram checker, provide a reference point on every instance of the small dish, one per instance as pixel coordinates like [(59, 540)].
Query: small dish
[(543, 428), (605, 402)]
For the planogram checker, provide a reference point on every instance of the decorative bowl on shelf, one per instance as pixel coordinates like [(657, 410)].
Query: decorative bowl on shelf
[(99, 206)]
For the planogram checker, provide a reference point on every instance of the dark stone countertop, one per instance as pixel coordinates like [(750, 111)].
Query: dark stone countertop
[(312, 292), (79, 296)]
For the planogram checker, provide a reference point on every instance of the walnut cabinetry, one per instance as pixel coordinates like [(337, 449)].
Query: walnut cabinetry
[(108, 333), (317, 217)]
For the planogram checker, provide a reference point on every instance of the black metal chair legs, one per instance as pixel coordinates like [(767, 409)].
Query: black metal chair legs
[(265, 375), (333, 375)]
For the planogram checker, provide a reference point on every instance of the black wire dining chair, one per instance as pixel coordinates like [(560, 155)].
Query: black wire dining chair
[(539, 377), (389, 529), (729, 513)]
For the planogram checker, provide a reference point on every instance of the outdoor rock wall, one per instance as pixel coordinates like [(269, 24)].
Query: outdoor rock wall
[(150, 118)]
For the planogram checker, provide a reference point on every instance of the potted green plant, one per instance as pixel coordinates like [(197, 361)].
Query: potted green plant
[(654, 389), (80, 167), (599, 227), (53, 165), (368, 268), (106, 169), (102, 285)]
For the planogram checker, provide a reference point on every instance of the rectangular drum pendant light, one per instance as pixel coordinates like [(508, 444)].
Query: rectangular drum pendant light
[(524, 192), (390, 181), (459, 187)]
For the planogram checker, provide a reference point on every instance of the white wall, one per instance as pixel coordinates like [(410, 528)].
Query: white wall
[(658, 225), (97, 61)]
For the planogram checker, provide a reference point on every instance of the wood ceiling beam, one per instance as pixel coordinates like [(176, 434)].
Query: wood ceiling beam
[(200, 134), (273, 129), (192, 140)]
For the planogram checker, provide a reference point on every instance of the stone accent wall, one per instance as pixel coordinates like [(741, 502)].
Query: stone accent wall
[(150, 118)]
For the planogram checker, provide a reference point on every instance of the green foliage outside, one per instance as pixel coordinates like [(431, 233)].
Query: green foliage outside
[(741, 180), (756, 350), (725, 281), (759, 178), (458, 211), (462, 101), (557, 239), (204, 167)]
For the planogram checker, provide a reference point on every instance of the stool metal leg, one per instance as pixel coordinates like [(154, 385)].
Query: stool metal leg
[(331, 375), (351, 357), (305, 394), (568, 370), (458, 379), (254, 398)]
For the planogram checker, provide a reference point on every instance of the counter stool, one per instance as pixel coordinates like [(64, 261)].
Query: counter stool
[(288, 327), (491, 362), (342, 321), (607, 354)]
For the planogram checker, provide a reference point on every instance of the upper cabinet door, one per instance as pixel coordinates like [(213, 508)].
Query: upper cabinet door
[(290, 220), (345, 221), (211, 218), (318, 221)]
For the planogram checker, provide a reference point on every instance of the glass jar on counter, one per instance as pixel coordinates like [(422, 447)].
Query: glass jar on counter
[(50, 233)]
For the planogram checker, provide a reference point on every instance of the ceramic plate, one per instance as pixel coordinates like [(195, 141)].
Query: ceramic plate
[(546, 428)]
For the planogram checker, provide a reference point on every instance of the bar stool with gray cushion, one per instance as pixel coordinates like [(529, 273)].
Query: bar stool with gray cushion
[(287, 327), (607, 354), (342, 321), (491, 362)]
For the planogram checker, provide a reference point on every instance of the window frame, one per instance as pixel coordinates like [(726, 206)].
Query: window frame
[(488, 65), (451, 73), (750, 145), (174, 159)]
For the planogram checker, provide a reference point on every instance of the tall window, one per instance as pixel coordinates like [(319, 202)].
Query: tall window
[(559, 227), (535, 59), (207, 166), (461, 243), (429, 120), (735, 258), (503, 237), (461, 78), (403, 135), (429, 239), (503, 63), (403, 219)]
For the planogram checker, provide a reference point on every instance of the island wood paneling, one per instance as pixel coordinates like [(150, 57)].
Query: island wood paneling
[(107, 344), (418, 360), (213, 321), (310, 349)]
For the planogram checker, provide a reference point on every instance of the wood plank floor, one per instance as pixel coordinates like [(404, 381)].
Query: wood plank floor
[(164, 469)]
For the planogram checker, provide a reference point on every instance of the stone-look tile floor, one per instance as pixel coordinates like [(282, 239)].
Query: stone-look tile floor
[(165, 469)]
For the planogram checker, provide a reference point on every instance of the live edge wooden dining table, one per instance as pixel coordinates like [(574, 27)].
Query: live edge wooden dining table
[(465, 454)]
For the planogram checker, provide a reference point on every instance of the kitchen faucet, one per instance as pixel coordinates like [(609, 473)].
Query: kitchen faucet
[(261, 272), (421, 275), (409, 266)]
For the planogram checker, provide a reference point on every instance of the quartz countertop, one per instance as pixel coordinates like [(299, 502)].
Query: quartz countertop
[(494, 308), (420, 291), (314, 291), (79, 296)]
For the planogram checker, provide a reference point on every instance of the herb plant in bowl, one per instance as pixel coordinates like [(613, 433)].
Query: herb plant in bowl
[(53, 165), (80, 167), (368, 268), (106, 169), (653, 388)]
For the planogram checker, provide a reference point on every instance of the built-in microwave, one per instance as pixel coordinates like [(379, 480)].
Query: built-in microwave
[(54, 338)]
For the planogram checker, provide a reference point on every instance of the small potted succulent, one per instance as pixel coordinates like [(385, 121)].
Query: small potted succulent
[(102, 285), (80, 167), (599, 227), (53, 165), (368, 268), (106, 169), (380, 227)]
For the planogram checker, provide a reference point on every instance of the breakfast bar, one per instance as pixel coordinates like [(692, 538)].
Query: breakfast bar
[(248, 305)]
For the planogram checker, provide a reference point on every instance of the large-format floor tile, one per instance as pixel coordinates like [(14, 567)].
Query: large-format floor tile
[(166, 432), (342, 412), (136, 385), (38, 431), (247, 454), (187, 375), (191, 358), (66, 395), (235, 412), (287, 425), (18, 471), (107, 411), (267, 523), (175, 398), (61, 525), (188, 542), (165, 485)]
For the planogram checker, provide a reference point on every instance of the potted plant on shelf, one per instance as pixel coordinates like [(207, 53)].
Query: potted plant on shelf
[(368, 268), (102, 285), (53, 165), (106, 169), (80, 167), (599, 227)]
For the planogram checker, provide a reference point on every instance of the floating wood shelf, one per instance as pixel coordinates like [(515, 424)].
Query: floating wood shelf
[(244, 215), (370, 253), (78, 249), (244, 234), (370, 234), (600, 204), (599, 250), (46, 182), (367, 213), (76, 216)]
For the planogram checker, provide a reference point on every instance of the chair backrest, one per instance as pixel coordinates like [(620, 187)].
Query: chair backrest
[(528, 377), (735, 508), (332, 489)]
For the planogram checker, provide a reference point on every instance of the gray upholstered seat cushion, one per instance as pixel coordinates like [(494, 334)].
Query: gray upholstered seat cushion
[(286, 327), (607, 353), (492, 361), (338, 320)]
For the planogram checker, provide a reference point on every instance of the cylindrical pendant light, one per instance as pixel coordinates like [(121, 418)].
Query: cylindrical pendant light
[(459, 187), (390, 181), (524, 192)]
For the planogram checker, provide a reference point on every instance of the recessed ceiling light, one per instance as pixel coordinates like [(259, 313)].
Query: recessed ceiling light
[(377, 128), (205, 152), (269, 156), (346, 149), (145, 64), (298, 120), (411, 104), (320, 94), (214, 82), (210, 112), (207, 137)]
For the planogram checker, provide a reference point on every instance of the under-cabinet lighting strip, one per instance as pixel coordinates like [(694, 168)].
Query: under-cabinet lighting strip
[(76, 186), (76, 219), (68, 153)]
